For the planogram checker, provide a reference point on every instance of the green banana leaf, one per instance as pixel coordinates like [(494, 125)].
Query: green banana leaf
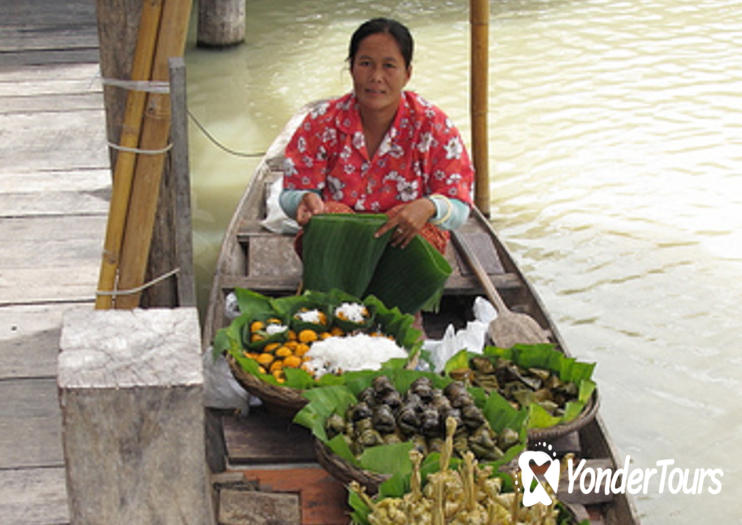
[(391, 459), (540, 356), (411, 278), (340, 251), (230, 340)]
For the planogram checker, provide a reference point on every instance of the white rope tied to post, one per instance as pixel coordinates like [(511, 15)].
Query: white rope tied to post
[(143, 151), (138, 289), (150, 86)]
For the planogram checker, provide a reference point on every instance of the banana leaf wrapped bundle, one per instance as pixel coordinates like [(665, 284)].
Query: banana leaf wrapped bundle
[(341, 252), (554, 388)]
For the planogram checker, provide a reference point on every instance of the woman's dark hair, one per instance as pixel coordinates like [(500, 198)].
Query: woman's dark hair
[(398, 31)]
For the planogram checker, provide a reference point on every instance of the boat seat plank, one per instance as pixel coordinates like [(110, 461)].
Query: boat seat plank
[(272, 263), (484, 250), (272, 256), (289, 283), (265, 438)]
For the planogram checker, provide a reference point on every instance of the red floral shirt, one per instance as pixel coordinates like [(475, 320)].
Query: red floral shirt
[(421, 154)]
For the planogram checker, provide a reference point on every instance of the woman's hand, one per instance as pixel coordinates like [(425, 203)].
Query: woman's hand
[(408, 222), (310, 204)]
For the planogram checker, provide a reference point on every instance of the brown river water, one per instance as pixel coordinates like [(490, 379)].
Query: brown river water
[(616, 182)]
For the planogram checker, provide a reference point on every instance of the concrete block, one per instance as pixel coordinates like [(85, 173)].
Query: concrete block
[(131, 393), (251, 507)]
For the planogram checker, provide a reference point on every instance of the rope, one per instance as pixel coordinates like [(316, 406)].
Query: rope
[(159, 86), (138, 289), (150, 86), (212, 139), (144, 151)]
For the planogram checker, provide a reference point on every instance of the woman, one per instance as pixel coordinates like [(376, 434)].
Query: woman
[(380, 149)]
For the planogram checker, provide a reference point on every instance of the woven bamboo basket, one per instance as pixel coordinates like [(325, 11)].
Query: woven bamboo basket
[(346, 472), (552, 433), (282, 399)]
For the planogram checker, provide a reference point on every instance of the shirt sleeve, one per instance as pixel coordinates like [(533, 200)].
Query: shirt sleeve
[(305, 164), (449, 213), (450, 171), (290, 199)]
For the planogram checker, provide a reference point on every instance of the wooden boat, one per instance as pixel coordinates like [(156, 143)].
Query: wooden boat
[(263, 445)]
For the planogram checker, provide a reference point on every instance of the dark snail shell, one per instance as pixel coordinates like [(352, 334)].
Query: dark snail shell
[(458, 395), (454, 388), (360, 411), (472, 416), (455, 413), (411, 398), (482, 443), (392, 399), (362, 425), (440, 402), (334, 425), (383, 419), (507, 438), (408, 419), (423, 388), (370, 438), (382, 386), (430, 422), (367, 396)]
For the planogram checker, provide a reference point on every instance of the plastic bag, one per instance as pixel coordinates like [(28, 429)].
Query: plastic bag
[(276, 220), (471, 338), (221, 389)]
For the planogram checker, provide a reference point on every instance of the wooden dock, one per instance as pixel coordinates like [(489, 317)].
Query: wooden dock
[(54, 189)]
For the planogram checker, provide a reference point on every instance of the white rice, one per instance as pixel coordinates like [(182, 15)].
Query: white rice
[(275, 329), (357, 352), (351, 312), (310, 316)]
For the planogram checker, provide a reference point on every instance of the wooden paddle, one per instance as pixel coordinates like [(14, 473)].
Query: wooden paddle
[(509, 328)]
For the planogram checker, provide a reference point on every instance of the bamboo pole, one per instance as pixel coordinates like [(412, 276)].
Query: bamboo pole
[(124, 167), (479, 22), (155, 132)]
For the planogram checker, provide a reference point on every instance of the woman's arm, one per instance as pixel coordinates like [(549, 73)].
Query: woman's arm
[(301, 204), (450, 213)]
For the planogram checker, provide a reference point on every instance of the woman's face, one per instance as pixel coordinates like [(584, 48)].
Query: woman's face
[(379, 72)]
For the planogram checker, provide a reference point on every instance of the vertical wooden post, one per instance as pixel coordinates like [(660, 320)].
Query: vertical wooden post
[(479, 21), (181, 174), (148, 174), (124, 162), (220, 22)]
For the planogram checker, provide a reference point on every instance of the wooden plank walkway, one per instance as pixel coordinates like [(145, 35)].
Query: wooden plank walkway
[(54, 190)]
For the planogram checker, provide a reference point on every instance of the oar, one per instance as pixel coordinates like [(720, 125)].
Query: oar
[(509, 328)]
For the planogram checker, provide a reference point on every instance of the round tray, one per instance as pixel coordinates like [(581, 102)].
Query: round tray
[(281, 399), (562, 429), (346, 472)]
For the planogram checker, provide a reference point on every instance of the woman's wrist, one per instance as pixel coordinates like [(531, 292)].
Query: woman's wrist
[(450, 213)]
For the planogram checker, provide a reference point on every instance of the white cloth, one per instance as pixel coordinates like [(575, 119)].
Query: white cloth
[(276, 219), (472, 338)]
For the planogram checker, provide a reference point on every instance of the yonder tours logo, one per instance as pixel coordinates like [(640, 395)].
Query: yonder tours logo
[(540, 469)]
